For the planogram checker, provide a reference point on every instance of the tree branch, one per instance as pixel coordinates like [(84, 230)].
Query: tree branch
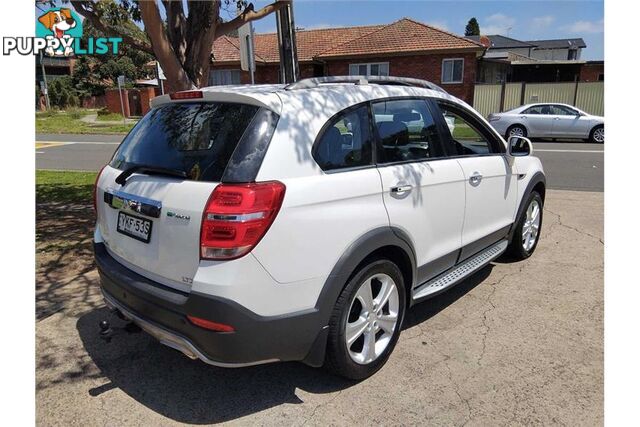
[(84, 9), (201, 26), (176, 22), (162, 47), (248, 15)]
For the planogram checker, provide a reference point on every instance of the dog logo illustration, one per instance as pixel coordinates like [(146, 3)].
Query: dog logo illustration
[(62, 24)]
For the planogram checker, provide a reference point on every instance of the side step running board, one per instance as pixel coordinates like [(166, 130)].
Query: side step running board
[(459, 272)]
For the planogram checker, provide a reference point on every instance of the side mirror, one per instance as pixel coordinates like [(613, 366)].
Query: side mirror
[(520, 146)]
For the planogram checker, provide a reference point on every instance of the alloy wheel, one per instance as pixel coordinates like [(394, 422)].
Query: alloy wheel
[(598, 135), (531, 226), (516, 131), (372, 318)]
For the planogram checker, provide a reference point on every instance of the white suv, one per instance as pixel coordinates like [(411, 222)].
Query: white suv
[(252, 224)]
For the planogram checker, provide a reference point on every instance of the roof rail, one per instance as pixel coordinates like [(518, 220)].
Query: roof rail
[(362, 80)]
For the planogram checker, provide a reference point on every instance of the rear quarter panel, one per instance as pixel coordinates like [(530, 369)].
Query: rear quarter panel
[(322, 213)]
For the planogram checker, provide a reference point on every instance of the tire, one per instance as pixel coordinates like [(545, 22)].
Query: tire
[(343, 359), (516, 130), (594, 135), (518, 248)]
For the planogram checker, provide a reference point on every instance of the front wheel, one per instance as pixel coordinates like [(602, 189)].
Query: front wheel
[(597, 135), (366, 321), (527, 232), (516, 130)]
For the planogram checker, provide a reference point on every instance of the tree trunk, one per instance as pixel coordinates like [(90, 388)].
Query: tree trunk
[(201, 30), (162, 48), (183, 46)]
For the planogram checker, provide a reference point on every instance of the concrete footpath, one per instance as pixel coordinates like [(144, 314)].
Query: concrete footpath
[(517, 344)]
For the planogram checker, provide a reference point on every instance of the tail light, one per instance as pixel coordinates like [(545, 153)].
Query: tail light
[(237, 216), (95, 191)]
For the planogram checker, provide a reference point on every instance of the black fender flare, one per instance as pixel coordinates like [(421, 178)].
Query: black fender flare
[(344, 268), (536, 179)]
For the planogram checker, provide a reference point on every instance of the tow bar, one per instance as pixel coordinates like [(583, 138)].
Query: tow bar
[(107, 331)]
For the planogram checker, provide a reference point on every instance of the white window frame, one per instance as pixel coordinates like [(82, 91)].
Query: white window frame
[(368, 65), (442, 72), (225, 70)]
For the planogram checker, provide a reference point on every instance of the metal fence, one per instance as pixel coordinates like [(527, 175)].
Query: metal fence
[(493, 98)]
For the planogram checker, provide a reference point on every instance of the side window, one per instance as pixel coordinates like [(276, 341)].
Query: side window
[(539, 109), (561, 110), (468, 136), (407, 131), (533, 110), (345, 142)]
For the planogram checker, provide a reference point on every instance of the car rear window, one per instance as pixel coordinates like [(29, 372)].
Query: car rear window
[(196, 138)]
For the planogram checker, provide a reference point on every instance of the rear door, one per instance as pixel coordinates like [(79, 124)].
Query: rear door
[(150, 221), (569, 123), (489, 178), (538, 121), (423, 191)]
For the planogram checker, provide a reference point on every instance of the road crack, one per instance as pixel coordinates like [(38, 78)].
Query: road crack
[(456, 390), (318, 406), (562, 224), (491, 307)]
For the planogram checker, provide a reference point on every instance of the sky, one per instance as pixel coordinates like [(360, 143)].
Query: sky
[(520, 19), (523, 20)]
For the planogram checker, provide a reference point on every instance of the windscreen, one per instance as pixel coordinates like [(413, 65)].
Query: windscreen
[(195, 138)]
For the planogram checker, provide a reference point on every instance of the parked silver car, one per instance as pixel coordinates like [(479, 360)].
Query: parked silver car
[(549, 121)]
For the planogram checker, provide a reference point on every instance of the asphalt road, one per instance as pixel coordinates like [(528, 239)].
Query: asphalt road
[(568, 165), (519, 343)]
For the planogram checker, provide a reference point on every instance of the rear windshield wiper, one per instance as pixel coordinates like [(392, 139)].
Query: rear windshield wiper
[(122, 178)]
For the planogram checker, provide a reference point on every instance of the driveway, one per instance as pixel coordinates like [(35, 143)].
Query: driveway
[(517, 344)]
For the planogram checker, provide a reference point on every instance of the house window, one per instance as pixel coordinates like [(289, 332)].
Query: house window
[(573, 54), (369, 69), (452, 70), (601, 77), (224, 77)]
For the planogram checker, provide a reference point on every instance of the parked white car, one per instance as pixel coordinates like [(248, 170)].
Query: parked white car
[(549, 121), (252, 224)]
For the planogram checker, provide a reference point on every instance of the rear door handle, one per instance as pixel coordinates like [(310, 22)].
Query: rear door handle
[(475, 179), (400, 189)]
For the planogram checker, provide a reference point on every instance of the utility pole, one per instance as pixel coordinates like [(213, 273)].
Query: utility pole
[(287, 44), (45, 88)]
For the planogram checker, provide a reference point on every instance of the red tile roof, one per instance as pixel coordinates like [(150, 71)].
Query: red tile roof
[(403, 36)]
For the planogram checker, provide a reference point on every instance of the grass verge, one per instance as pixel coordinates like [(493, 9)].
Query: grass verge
[(70, 122), (109, 117), (64, 186), (64, 230)]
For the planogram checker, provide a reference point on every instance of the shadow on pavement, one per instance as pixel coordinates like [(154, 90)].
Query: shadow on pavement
[(431, 307), (190, 391)]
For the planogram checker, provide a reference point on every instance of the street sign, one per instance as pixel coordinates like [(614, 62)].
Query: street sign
[(247, 58), (120, 80), (160, 72)]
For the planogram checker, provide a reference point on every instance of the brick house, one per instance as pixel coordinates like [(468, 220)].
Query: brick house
[(404, 48), (592, 71)]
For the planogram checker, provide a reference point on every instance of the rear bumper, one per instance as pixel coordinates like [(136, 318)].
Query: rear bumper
[(162, 312)]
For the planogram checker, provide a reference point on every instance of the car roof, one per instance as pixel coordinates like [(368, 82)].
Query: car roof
[(547, 103), (336, 96)]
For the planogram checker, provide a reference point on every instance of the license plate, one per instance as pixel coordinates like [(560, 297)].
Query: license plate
[(132, 226)]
